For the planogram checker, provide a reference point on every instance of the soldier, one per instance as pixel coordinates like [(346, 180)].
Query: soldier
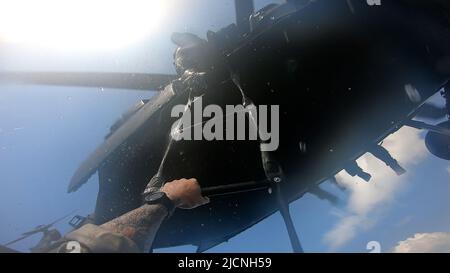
[(135, 230)]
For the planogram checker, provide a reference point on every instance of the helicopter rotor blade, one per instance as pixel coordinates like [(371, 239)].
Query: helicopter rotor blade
[(39, 229), (43, 228), (36, 230), (244, 8), (134, 81), (17, 240), (62, 218), (4, 249)]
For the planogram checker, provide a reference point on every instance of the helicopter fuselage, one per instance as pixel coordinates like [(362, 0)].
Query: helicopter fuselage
[(343, 82)]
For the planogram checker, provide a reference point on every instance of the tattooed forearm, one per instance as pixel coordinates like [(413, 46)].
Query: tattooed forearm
[(140, 225)]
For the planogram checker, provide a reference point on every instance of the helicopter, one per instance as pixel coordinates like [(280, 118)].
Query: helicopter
[(49, 235), (345, 74)]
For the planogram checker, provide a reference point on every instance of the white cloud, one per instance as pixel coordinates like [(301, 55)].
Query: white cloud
[(448, 169), (424, 243), (366, 198), (344, 231)]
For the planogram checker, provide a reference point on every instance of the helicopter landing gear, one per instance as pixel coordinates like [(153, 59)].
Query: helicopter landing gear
[(437, 139), (283, 205), (272, 170), (275, 175)]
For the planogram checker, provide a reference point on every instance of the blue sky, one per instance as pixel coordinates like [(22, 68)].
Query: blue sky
[(45, 132)]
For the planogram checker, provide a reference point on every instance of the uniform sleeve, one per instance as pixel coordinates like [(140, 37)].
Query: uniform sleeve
[(94, 239)]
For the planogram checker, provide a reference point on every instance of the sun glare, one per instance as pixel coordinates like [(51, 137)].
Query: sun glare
[(79, 24)]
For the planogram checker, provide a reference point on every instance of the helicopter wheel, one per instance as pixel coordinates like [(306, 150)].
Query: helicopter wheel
[(439, 144)]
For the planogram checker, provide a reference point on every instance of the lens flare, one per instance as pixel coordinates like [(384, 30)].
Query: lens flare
[(79, 24)]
